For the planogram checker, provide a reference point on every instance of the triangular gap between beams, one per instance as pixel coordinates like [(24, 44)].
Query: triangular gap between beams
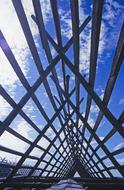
[(76, 174)]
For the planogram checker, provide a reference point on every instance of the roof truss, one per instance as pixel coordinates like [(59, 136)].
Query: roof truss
[(72, 154)]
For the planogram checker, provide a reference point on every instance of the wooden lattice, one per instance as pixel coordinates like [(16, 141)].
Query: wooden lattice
[(74, 152)]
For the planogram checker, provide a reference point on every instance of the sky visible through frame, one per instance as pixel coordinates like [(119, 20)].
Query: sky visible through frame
[(113, 14)]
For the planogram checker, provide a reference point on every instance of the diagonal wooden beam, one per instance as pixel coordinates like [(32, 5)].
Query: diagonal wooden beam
[(121, 118), (105, 149), (36, 165), (67, 89), (75, 30), (53, 140), (102, 106), (95, 36), (6, 96), (56, 19), (90, 156), (33, 144), (70, 42), (24, 99), (61, 156), (8, 53), (27, 32), (94, 151), (36, 140), (44, 41), (115, 68)]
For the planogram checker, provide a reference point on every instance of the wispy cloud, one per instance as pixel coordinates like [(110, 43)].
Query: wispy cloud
[(121, 102), (36, 152), (91, 121), (44, 143), (13, 33), (10, 141), (94, 109), (11, 28), (66, 28), (120, 145), (100, 91), (23, 128), (112, 10), (5, 108), (120, 161), (109, 30)]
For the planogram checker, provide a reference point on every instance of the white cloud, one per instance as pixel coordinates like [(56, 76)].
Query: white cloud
[(100, 92), (109, 30), (61, 149), (25, 130), (62, 136), (120, 161), (84, 144), (43, 142), (65, 16), (101, 138), (94, 109), (120, 145), (45, 94), (62, 84), (10, 141), (29, 162), (5, 108), (11, 29), (93, 142), (110, 26), (50, 133), (7, 77), (121, 102), (29, 10), (85, 41), (82, 12), (46, 9), (66, 28), (30, 109), (7, 157), (91, 121), (36, 152), (42, 165)]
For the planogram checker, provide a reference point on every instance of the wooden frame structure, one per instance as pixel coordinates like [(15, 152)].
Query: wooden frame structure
[(78, 158)]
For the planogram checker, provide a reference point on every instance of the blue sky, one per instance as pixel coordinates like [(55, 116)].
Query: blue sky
[(112, 19)]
